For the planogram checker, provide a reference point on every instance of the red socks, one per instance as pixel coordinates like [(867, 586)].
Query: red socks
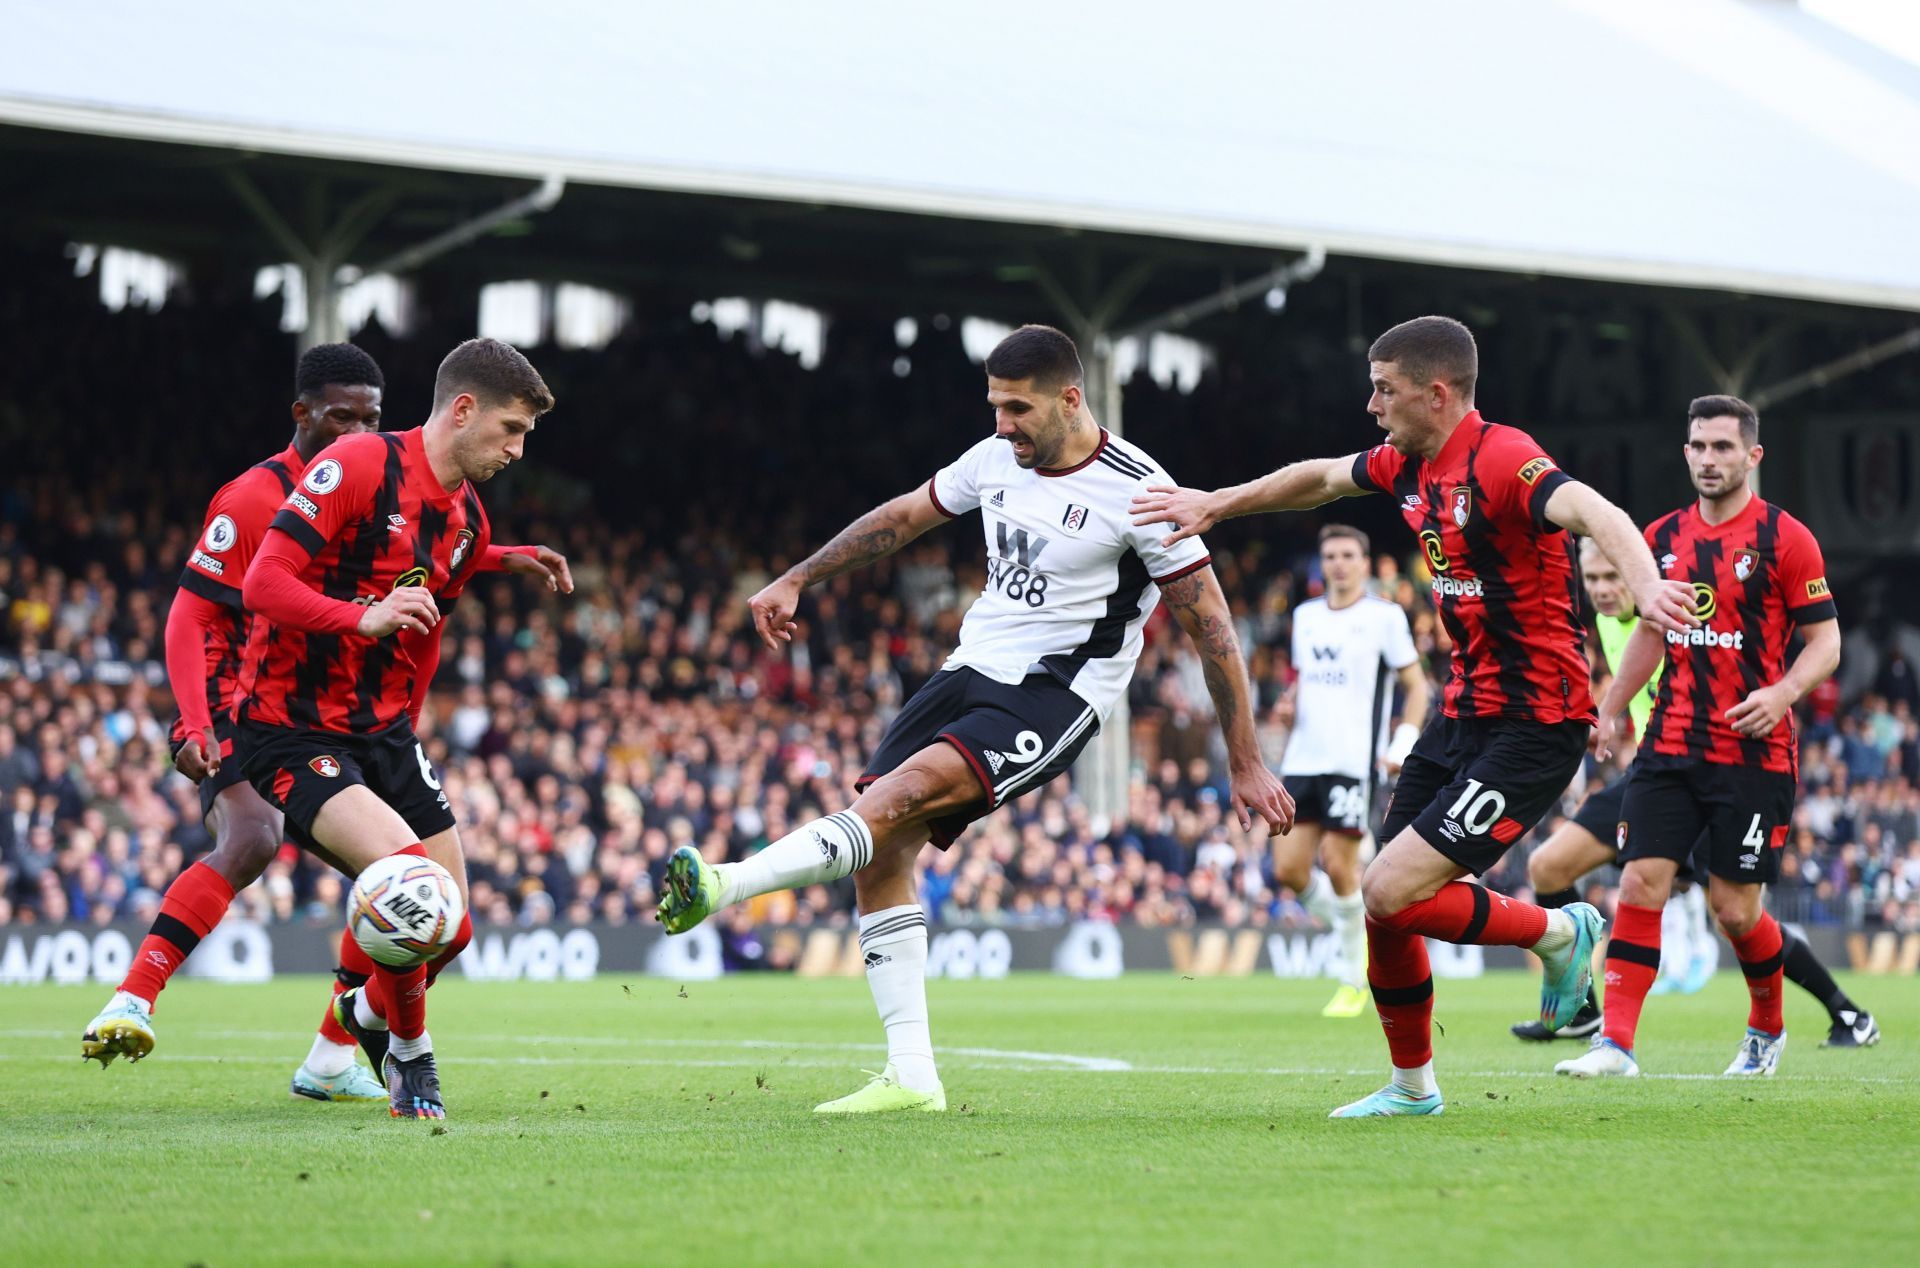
[(461, 938), (1470, 914), (355, 968), (400, 995), (1402, 983), (193, 905), (1762, 958), (1633, 960)]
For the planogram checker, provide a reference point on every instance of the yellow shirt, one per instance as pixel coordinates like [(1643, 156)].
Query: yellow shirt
[(1614, 633)]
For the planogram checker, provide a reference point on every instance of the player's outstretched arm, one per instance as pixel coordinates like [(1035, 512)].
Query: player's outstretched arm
[(1646, 648), (875, 535), (529, 561), (1668, 605), (1761, 711), (1298, 487), (1198, 604)]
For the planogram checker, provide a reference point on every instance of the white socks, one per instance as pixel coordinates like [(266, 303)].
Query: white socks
[(1418, 1081), (363, 1013), (894, 943), (1318, 898), (128, 997), (1350, 926), (1347, 918), (824, 850), (1559, 932), (328, 1058), (407, 1049)]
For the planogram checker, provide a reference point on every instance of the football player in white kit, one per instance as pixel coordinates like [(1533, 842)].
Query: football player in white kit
[(1348, 649), (1045, 652)]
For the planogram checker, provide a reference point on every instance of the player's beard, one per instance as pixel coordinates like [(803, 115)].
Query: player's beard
[(1049, 441)]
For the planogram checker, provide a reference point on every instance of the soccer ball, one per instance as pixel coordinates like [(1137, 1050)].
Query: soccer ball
[(404, 910)]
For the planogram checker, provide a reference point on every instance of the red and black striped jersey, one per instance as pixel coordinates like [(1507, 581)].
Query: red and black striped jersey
[(1755, 577), (371, 517), (236, 520), (1503, 582)]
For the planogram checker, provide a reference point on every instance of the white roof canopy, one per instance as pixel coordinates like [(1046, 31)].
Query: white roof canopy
[(1712, 143)]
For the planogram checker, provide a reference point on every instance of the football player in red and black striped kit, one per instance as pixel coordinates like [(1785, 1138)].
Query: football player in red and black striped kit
[(337, 392), (1489, 508), (347, 591), (1721, 756)]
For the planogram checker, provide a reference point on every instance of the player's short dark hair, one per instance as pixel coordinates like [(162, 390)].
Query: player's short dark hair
[(1430, 348), (493, 373), (1727, 407), (328, 365), (1040, 353), (1334, 532)]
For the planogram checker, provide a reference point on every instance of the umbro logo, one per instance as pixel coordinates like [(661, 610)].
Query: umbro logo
[(396, 523), (1411, 501), (999, 498)]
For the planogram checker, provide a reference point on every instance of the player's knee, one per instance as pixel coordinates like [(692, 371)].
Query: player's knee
[(1383, 894), (1546, 875), (903, 795), (1638, 890), (243, 851), (1736, 915)]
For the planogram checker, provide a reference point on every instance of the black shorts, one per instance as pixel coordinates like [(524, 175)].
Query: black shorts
[(1743, 813), (1600, 814), (1016, 737), (1474, 786), (299, 771), (230, 772), (1338, 803)]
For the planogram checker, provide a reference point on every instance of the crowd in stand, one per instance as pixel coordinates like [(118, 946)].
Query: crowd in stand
[(582, 739)]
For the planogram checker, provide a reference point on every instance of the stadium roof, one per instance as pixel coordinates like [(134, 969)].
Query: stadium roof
[(1730, 144)]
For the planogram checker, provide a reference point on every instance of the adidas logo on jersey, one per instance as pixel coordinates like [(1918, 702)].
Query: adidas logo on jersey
[(995, 760), (999, 498)]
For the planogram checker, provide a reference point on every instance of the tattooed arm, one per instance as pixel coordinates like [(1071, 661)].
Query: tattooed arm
[(875, 535), (1198, 604)]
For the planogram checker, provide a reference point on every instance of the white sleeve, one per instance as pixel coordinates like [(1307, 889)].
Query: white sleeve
[(955, 488), (1396, 643), (1164, 563)]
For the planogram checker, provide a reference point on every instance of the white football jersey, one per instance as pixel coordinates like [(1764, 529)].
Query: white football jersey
[(1345, 659), (1070, 580)]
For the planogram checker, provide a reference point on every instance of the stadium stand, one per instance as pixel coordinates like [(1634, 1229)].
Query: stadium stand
[(584, 740)]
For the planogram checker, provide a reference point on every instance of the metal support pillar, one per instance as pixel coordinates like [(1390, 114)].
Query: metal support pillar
[(1104, 773), (322, 254)]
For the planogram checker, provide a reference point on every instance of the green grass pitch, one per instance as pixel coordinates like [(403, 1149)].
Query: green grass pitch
[(1146, 1120)]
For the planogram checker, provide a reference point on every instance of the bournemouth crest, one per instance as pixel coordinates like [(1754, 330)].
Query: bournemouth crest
[(1744, 563), (1462, 501), (462, 547), (327, 766)]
